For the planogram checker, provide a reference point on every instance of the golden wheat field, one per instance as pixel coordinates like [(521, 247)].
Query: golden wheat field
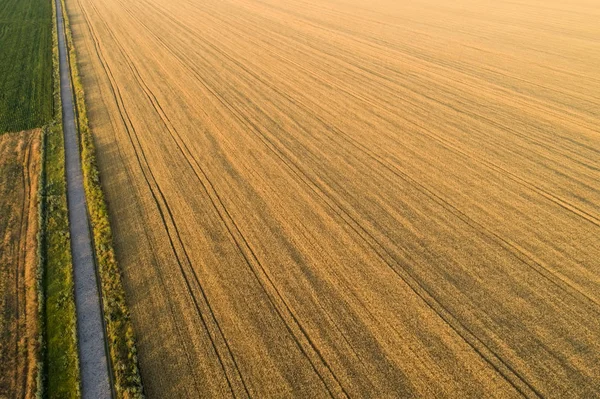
[(19, 174), (352, 198)]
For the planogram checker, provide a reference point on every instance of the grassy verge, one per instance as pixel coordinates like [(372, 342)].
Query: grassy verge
[(120, 335), (59, 337)]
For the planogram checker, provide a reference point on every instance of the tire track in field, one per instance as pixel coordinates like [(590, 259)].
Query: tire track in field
[(18, 266), (131, 133), (494, 360), (507, 246), (420, 93), (563, 203), (519, 252), (320, 191), (473, 115), (512, 248), (20, 263), (212, 192), (477, 345), (20, 312), (238, 230), (174, 320), (13, 300), (389, 70), (388, 46), (300, 134), (219, 206), (173, 132)]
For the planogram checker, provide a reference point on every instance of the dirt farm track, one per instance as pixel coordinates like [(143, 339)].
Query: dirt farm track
[(352, 198)]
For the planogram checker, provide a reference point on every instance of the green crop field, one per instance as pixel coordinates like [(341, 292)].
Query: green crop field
[(25, 64)]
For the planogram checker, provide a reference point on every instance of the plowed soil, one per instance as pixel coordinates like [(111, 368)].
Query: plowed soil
[(352, 198), (19, 327)]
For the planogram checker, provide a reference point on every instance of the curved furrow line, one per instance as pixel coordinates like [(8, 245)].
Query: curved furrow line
[(421, 93), (187, 154), (161, 278), (212, 192), (565, 204), (321, 192), (519, 252), (387, 47), (342, 333), (249, 263), (159, 208), (425, 295), (476, 116), (173, 132), (440, 223), (335, 55), (174, 320), (479, 346), (506, 244), (235, 224), (512, 247), (129, 128)]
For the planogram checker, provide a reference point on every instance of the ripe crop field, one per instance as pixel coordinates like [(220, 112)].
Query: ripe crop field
[(19, 171), (25, 64), (352, 198)]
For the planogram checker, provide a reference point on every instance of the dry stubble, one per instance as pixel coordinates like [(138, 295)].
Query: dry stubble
[(350, 197), (19, 173)]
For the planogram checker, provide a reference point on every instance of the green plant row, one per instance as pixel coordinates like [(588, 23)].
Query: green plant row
[(25, 64), (120, 336)]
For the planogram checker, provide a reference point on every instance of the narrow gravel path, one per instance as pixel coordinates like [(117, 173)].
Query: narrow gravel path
[(95, 379)]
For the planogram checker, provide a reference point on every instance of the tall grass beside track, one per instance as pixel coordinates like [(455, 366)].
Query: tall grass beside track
[(119, 330)]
